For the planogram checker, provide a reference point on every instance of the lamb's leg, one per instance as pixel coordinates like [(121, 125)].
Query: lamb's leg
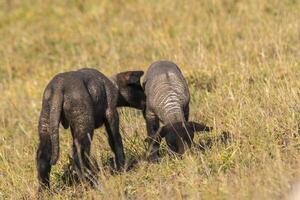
[(82, 130), (190, 139), (81, 156), (114, 137), (152, 123), (186, 111)]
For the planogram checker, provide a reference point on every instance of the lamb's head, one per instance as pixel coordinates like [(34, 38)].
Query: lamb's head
[(131, 93), (180, 133)]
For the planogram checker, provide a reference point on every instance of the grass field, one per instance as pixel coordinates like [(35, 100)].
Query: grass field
[(241, 60)]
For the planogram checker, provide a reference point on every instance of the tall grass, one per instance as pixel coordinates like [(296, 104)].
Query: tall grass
[(241, 60)]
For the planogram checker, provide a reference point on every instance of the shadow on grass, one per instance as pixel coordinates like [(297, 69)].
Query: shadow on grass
[(223, 139), (90, 178)]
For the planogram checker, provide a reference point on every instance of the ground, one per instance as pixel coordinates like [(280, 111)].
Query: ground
[(241, 60)]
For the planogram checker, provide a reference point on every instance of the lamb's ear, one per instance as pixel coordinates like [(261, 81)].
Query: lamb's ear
[(197, 127), (133, 77)]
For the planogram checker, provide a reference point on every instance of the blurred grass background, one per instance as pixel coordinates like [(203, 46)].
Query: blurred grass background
[(241, 60)]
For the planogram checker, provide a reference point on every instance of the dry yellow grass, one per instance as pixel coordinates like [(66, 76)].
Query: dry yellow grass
[(242, 62)]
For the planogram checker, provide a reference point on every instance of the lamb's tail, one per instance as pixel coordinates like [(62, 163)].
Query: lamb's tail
[(55, 114)]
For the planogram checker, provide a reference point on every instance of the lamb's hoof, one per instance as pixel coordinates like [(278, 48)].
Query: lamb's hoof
[(70, 176)]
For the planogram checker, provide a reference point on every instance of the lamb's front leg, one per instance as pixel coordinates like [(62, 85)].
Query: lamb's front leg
[(114, 137), (152, 123)]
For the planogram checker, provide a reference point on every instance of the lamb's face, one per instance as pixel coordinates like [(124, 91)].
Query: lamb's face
[(177, 135), (134, 95), (130, 89)]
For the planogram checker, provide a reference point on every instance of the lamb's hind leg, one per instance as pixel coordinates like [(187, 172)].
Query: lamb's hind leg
[(43, 155), (186, 111), (82, 132), (152, 123), (114, 137), (190, 139)]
